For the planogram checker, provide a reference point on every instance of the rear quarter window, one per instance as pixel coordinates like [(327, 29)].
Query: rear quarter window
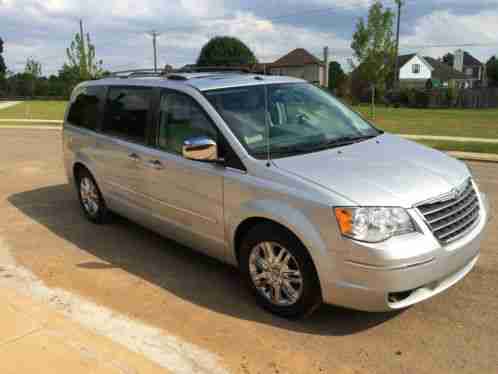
[(127, 112), (85, 108)]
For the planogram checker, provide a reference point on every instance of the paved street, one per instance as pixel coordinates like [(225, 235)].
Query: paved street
[(135, 273)]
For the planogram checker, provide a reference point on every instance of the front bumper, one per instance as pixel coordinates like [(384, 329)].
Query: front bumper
[(406, 271)]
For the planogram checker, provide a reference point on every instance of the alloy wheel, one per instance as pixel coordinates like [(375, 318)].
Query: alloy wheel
[(89, 196), (275, 273)]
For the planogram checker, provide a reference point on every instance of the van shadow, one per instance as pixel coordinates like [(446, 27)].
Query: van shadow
[(185, 273)]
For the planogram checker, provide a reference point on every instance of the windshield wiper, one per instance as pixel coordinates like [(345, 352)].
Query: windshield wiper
[(339, 142), (317, 146)]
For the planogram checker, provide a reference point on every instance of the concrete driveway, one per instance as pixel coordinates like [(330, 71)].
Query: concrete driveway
[(136, 273)]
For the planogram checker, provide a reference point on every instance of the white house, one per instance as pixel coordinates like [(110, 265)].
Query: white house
[(415, 71), (414, 67)]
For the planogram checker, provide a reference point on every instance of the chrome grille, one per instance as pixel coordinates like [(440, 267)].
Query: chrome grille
[(452, 216)]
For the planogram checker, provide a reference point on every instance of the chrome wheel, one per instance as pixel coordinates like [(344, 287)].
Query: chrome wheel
[(89, 196), (275, 273)]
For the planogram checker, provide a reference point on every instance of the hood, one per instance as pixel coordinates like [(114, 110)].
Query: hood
[(384, 171)]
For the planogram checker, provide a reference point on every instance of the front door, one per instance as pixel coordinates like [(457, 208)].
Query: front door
[(186, 195)]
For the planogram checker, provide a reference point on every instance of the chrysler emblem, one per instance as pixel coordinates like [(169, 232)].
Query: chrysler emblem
[(454, 194)]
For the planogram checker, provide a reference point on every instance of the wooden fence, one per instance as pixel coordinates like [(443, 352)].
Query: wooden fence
[(476, 98)]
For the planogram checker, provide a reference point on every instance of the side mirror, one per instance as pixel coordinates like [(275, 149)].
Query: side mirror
[(200, 149)]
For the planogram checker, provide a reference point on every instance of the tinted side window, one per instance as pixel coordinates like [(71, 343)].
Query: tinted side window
[(84, 111), (127, 111), (180, 119)]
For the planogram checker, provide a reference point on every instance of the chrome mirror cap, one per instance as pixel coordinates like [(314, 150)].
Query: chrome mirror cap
[(200, 149)]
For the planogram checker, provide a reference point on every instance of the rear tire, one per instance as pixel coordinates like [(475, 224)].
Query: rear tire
[(279, 272), (90, 197)]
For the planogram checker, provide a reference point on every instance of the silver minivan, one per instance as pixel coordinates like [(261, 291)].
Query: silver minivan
[(274, 175)]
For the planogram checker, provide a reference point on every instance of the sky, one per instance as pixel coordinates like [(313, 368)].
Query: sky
[(271, 28)]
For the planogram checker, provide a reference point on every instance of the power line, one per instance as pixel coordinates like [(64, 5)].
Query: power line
[(465, 45)]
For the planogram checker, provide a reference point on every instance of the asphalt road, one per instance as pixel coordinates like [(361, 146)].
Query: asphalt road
[(139, 274)]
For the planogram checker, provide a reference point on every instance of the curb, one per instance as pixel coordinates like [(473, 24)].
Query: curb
[(31, 127), (470, 156), (449, 138), (31, 120)]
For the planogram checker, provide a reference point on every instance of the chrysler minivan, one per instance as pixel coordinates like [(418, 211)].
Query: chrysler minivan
[(273, 175)]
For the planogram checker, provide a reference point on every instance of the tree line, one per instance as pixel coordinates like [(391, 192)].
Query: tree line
[(373, 44), (81, 65)]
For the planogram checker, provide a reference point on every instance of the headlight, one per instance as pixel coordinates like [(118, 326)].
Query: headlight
[(373, 225)]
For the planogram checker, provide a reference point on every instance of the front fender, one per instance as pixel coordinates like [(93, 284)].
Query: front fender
[(291, 218)]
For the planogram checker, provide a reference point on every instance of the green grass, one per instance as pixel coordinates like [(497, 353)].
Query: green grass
[(482, 123), (461, 146), (52, 110), (445, 122)]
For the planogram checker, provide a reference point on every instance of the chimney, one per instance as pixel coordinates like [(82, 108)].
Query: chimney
[(458, 60)]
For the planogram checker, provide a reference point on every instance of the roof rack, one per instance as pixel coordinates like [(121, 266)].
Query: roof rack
[(177, 73), (136, 73), (213, 69)]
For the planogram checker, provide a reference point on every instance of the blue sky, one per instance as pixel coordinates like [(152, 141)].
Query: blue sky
[(43, 29)]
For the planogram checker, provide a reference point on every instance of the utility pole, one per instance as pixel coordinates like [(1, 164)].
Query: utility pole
[(326, 60), (154, 35), (396, 59)]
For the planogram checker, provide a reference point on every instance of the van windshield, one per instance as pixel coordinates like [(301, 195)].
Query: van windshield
[(297, 118)]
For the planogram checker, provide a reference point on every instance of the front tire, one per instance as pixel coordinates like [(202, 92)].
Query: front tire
[(90, 197), (280, 272)]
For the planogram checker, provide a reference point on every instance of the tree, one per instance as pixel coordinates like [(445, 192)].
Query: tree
[(374, 47), (448, 59), (3, 67), (336, 75), (69, 77), (225, 51), (81, 55), (492, 71), (33, 68), (32, 72), (3, 70)]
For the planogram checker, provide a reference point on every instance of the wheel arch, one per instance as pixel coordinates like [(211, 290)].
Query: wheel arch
[(289, 219)]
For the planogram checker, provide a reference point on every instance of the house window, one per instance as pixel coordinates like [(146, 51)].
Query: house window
[(469, 72), (416, 68)]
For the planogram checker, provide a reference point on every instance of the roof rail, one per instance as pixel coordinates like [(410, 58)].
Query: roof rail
[(213, 69), (136, 73)]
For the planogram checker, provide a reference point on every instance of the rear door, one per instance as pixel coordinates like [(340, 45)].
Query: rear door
[(122, 142), (187, 195), (81, 125)]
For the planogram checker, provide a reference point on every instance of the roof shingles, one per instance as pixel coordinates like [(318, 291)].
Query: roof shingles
[(297, 57)]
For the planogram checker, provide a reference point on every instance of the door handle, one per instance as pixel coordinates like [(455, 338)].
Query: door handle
[(155, 164), (134, 157)]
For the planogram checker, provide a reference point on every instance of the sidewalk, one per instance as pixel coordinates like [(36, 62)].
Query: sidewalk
[(37, 339), (449, 138)]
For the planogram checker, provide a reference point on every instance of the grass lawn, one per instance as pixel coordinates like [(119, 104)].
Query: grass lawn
[(481, 123), (446, 122), (461, 147), (53, 110)]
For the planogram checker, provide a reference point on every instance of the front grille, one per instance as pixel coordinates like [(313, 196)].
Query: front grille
[(451, 217)]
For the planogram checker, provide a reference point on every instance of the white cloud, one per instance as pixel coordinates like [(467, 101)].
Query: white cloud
[(446, 28), (268, 40), (44, 29)]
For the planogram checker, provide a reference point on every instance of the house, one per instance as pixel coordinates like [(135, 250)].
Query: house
[(474, 70), (416, 71), (299, 63)]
